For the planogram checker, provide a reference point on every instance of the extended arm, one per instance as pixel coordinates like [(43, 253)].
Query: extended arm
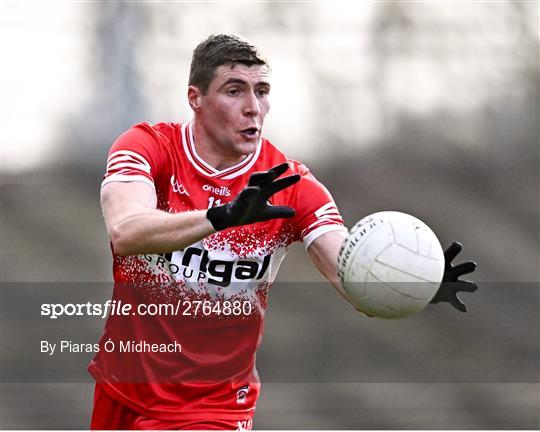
[(135, 226), (325, 249)]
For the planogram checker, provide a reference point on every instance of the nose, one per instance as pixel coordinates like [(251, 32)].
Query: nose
[(252, 106)]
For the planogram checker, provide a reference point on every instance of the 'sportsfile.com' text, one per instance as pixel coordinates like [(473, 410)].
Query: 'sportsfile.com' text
[(119, 308)]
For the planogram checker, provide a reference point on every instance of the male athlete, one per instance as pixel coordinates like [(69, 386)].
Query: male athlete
[(200, 216)]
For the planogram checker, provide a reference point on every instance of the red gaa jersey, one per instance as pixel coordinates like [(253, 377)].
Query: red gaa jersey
[(195, 357)]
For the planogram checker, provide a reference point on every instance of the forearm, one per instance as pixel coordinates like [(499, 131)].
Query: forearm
[(328, 268), (156, 231), (324, 252)]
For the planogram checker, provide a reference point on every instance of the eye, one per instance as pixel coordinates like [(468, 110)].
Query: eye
[(263, 91), (233, 91)]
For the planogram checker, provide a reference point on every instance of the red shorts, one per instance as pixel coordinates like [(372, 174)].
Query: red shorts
[(109, 414)]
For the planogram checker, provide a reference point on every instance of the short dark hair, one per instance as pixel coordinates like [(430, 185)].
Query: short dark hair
[(218, 50)]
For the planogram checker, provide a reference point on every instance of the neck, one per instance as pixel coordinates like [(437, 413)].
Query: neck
[(210, 152)]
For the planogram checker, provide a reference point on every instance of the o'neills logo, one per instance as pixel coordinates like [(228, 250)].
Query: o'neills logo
[(178, 187), (222, 191)]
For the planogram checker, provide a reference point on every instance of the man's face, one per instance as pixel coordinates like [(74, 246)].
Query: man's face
[(233, 110)]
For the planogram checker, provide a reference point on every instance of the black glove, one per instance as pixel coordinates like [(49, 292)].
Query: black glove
[(451, 284), (251, 204)]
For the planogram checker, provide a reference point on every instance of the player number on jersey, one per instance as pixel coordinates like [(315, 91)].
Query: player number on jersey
[(213, 202)]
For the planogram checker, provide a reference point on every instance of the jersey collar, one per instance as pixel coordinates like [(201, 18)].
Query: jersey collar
[(204, 168)]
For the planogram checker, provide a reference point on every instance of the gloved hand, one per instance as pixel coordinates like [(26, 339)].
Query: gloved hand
[(251, 204), (451, 284)]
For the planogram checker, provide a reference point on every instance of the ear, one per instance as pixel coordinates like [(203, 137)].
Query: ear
[(194, 97)]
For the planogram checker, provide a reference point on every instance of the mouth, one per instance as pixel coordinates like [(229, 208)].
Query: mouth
[(250, 133)]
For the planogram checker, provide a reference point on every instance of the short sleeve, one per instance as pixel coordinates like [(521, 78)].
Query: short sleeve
[(134, 156), (316, 211)]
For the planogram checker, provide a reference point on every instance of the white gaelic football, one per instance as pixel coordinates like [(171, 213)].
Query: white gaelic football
[(391, 264)]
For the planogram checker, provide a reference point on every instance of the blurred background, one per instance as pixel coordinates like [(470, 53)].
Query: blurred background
[(431, 108)]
